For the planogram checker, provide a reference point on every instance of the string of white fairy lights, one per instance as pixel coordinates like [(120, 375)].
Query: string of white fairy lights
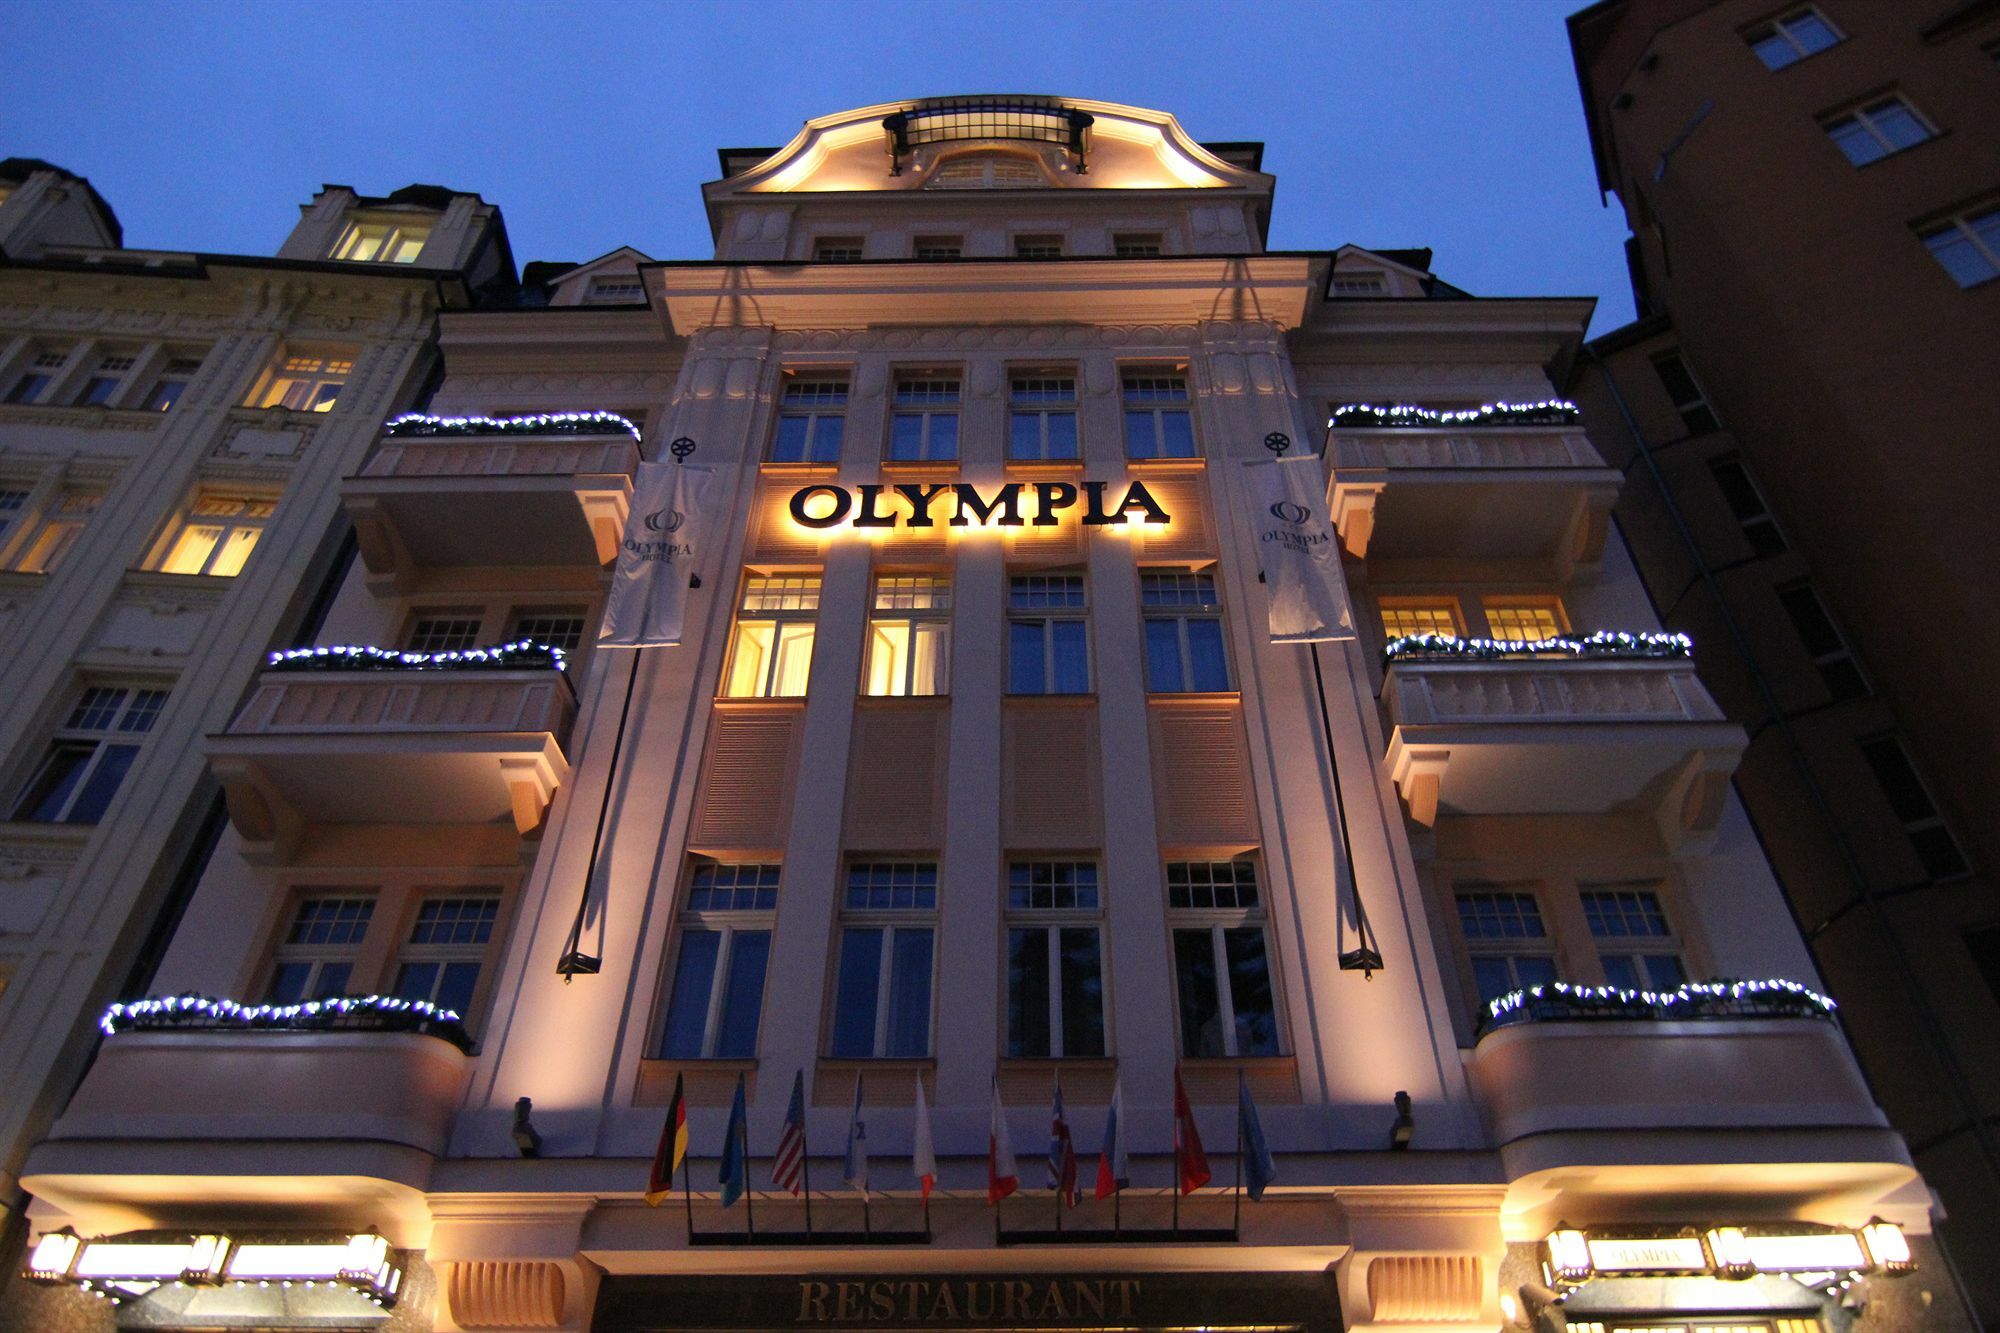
[(365, 656), (540, 423), (1550, 411), (1691, 995), (1603, 643)]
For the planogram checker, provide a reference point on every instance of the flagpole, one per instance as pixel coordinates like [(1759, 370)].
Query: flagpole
[(1236, 1221), (867, 1221), (687, 1190), (1059, 1179), (1176, 1186), (574, 960)]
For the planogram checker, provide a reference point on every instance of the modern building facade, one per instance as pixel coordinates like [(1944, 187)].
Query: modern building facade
[(1804, 417), (172, 432), (923, 818)]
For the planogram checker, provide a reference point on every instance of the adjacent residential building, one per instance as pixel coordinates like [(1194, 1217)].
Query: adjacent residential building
[(977, 805), (173, 429), (1805, 416)]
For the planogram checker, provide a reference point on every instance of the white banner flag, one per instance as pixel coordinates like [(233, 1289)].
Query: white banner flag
[(1299, 552), (662, 539)]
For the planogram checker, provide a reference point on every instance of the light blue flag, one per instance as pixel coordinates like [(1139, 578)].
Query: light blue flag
[(734, 1175), (1259, 1168)]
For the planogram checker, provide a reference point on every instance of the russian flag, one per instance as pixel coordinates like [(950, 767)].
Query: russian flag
[(1113, 1172)]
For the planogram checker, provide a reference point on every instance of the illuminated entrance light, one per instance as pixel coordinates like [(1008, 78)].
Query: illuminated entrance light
[(962, 505), (131, 1266)]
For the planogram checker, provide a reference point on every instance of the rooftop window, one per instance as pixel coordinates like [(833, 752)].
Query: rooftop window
[(382, 242)]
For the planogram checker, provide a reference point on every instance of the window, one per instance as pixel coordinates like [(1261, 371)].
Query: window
[(90, 755), (882, 986), (1184, 650), (939, 247), (444, 632), (1983, 944), (1158, 422), (306, 384), (448, 942), (41, 370), (1746, 502), (1506, 941), (61, 523), (1405, 616), (1531, 619), (13, 508), (837, 249), (1055, 961), (810, 420), (909, 635), (1822, 640), (171, 384), (771, 654), (1048, 646), (1359, 284), (716, 999), (623, 289), (1222, 973), (102, 386), (1041, 423), (1968, 246), (1872, 132), (1678, 381), (1922, 823), (217, 535), (924, 427), (558, 629), (1634, 942), (316, 959), (990, 171), (382, 242), (1135, 244), (1038, 247), (1790, 39)]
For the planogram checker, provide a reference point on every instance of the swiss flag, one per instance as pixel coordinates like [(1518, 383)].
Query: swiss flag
[(1188, 1154)]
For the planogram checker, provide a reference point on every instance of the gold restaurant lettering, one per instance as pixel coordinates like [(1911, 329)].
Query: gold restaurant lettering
[(967, 1300), (829, 506)]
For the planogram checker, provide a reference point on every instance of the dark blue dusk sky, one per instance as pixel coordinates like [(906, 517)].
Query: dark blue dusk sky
[(1453, 124)]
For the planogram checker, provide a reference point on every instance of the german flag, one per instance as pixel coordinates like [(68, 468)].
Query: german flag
[(673, 1147)]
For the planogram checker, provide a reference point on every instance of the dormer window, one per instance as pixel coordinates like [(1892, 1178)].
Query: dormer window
[(987, 171), (618, 289), (939, 247), (1038, 247), (382, 242), (1136, 244), (1360, 284), (837, 250)]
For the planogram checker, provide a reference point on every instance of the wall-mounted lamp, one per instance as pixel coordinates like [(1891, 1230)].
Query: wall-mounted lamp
[(1565, 1256), (525, 1137), (1888, 1247), (1405, 1127), (1729, 1252)]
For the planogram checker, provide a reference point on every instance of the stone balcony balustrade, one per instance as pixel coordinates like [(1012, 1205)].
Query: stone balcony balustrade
[(536, 492), (1528, 732), (430, 744), (1528, 501)]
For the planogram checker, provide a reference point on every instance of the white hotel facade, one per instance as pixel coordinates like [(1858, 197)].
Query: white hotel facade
[(978, 806)]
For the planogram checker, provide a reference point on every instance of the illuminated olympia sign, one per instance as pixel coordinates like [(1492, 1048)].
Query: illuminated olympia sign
[(962, 505)]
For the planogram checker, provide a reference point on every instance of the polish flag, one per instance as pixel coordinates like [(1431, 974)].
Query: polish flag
[(923, 1154), (1188, 1153), (1002, 1176)]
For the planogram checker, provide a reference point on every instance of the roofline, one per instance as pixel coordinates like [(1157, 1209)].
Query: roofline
[(1597, 147), (199, 263)]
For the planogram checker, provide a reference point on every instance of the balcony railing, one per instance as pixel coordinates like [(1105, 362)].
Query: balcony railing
[(1566, 1003), (340, 1013)]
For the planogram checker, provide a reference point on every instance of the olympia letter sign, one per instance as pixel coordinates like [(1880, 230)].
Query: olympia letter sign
[(662, 540), (1298, 551)]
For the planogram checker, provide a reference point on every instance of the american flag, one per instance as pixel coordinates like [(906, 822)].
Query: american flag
[(789, 1166)]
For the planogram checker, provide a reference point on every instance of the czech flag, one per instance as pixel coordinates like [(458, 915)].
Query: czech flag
[(1112, 1169)]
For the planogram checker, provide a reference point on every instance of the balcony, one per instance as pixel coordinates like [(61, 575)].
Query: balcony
[(539, 492), (1566, 726), (364, 736), (1720, 1088), (1526, 496), (335, 1110)]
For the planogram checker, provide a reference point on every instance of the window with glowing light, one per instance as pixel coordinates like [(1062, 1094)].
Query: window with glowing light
[(1403, 617), (216, 535), (1526, 618), (49, 536), (1055, 963), (909, 636), (383, 242), (87, 759), (883, 977), (1226, 996), (770, 652), (715, 998), (304, 383)]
